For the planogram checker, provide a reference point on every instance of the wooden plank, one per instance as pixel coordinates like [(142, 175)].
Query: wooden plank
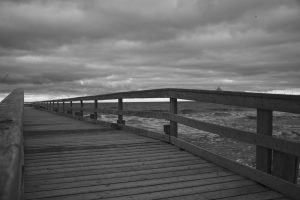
[(102, 162), (49, 172), (124, 178), (117, 156), (160, 191), (260, 195), (220, 194), (273, 182), (264, 127), (185, 167), (96, 153), (114, 169), (198, 178)]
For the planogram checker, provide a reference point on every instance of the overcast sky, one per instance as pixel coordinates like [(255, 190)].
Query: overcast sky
[(61, 48)]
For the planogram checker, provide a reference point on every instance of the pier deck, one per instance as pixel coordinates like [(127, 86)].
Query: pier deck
[(72, 159)]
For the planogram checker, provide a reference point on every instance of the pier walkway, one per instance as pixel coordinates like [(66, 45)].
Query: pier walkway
[(60, 149), (70, 159)]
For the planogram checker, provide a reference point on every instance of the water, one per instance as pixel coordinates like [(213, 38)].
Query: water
[(285, 125)]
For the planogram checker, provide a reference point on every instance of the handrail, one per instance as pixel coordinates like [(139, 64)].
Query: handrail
[(11, 146), (275, 102), (274, 156)]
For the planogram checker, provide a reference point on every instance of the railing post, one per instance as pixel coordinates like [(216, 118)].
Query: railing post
[(264, 127), (63, 106), (95, 106), (173, 110), (81, 107), (120, 107), (57, 104), (53, 107), (71, 109), (285, 166)]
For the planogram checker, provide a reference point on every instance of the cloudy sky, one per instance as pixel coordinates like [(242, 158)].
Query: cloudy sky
[(55, 48)]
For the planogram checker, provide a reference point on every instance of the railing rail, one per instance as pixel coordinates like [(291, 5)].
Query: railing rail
[(274, 156), (11, 146)]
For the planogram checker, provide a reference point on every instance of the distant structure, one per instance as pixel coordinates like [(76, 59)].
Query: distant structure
[(219, 89)]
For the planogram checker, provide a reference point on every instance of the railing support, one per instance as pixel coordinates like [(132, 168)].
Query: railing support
[(95, 106), (120, 107), (63, 107), (264, 127), (57, 104), (81, 107), (285, 166), (71, 105), (173, 110)]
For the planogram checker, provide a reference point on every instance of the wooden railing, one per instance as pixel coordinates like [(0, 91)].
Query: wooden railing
[(277, 160), (11, 146)]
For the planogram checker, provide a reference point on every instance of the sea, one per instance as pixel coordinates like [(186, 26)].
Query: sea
[(285, 125)]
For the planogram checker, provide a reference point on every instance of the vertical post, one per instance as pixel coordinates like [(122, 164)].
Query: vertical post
[(264, 127), (57, 103), (63, 106), (285, 166), (95, 106), (173, 110), (71, 109), (53, 107), (120, 107), (81, 107)]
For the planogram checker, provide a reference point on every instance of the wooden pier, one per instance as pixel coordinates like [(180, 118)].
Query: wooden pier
[(67, 156)]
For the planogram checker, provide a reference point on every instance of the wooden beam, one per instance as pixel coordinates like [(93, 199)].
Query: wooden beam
[(173, 124), (285, 166), (95, 106), (264, 127), (81, 106), (71, 107), (11, 146), (120, 108)]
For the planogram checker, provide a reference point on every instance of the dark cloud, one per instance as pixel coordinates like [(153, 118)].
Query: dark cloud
[(82, 47)]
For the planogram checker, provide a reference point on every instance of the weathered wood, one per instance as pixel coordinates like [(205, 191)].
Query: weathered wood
[(81, 106), (264, 127), (275, 102), (71, 108), (11, 146), (142, 170), (285, 166), (173, 124), (95, 106), (273, 182), (243, 136), (120, 108)]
